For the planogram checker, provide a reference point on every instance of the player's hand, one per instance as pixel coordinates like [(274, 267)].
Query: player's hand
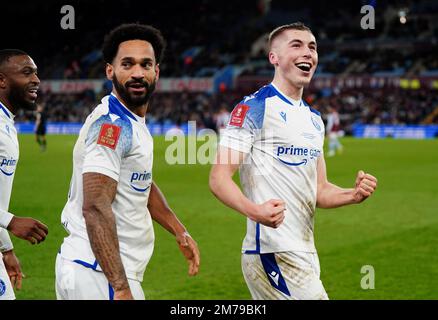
[(28, 229), (13, 268), (190, 250), (270, 213), (124, 294), (366, 184)]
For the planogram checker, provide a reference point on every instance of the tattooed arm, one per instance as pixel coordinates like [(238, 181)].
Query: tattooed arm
[(99, 193)]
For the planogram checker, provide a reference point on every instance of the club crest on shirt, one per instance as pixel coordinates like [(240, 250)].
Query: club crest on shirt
[(109, 135), (238, 115), (2, 287), (315, 123)]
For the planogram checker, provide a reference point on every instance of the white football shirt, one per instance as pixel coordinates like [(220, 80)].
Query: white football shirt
[(9, 153), (283, 140), (114, 142)]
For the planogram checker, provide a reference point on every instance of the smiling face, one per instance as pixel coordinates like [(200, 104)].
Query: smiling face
[(134, 72), (19, 82), (295, 57)]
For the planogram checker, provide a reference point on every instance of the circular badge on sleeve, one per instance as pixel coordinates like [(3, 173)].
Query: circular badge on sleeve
[(2, 287)]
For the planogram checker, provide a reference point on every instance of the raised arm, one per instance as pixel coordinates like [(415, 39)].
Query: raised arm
[(99, 193), (330, 195), (270, 213), (163, 214)]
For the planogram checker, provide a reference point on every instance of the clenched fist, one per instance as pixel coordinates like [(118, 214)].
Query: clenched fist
[(366, 184)]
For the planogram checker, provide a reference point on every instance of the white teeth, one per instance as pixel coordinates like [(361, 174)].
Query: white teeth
[(303, 64)]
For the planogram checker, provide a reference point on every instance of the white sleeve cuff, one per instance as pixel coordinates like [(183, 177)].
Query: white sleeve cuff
[(5, 218), (5, 241), (102, 170), (237, 139)]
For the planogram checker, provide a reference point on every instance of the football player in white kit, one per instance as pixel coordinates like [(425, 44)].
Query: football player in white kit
[(18, 89), (278, 142), (112, 198)]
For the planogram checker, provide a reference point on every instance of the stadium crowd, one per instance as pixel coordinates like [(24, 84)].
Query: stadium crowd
[(219, 36)]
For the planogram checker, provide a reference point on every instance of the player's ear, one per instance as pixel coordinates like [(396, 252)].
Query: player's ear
[(273, 58), (109, 69), (157, 71), (2, 80)]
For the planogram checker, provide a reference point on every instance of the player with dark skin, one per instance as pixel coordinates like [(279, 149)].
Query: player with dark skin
[(134, 72), (18, 90)]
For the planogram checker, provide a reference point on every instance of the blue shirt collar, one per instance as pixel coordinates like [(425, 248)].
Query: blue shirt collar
[(117, 107), (6, 111), (284, 97)]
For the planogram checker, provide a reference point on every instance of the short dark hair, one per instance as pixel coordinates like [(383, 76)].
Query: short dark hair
[(5, 54), (133, 31), (292, 26)]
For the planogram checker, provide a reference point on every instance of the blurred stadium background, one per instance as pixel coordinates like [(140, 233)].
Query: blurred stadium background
[(384, 83)]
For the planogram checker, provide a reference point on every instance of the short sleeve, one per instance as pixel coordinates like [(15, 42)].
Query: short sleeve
[(5, 241), (106, 144), (244, 124)]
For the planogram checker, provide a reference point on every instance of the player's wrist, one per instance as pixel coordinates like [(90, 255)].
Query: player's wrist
[(181, 236), (8, 252), (354, 197), (252, 210), (121, 286), (179, 230), (123, 294)]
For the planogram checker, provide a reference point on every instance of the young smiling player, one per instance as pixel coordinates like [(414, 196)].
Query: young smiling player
[(278, 140)]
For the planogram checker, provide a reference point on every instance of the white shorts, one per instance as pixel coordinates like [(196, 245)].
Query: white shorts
[(283, 276), (77, 282), (6, 290)]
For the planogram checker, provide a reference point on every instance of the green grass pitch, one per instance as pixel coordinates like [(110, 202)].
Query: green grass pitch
[(395, 231)]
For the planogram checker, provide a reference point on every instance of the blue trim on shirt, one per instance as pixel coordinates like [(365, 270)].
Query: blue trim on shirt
[(110, 292), (257, 104), (312, 110), (257, 250), (116, 107), (4, 110), (87, 265), (282, 97), (258, 237), (273, 272), (315, 111), (125, 139)]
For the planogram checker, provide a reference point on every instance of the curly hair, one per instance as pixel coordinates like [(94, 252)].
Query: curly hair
[(133, 31)]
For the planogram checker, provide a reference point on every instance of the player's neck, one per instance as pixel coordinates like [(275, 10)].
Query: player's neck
[(287, 88)]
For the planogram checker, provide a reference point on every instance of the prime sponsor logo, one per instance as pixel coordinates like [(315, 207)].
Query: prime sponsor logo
[(296, 156), (139, 181), (7, 166)]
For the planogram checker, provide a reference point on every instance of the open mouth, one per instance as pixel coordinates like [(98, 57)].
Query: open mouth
[(137, 87), (33, 92), (304, 66)]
